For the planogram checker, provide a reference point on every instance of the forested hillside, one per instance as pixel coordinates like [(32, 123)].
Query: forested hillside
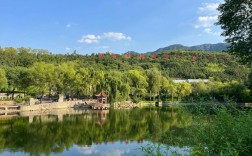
[(219, 47), (38, 72)]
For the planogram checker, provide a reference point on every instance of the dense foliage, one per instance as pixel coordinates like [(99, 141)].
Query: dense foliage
[(38, 72), (235, 19), (226, 132), (215, 129)]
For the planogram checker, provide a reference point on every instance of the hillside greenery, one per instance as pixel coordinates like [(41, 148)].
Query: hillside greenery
[(38, 72)]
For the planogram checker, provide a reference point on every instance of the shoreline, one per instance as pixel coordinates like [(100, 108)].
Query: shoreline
[(118, 105)]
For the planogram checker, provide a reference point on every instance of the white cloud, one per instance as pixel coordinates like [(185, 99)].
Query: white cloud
[(107, 35), (89, 39), (206, 21), (209, 8), (115, 152), (96, 150), (116, 36), (87, 150), (102, 47), (207, 30), (67, 49), (210, 31), (68, 25), (208, 16)]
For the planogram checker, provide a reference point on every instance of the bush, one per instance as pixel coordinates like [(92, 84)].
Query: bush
[(227, 132), (136, 100), (18, 100), (27, 98)]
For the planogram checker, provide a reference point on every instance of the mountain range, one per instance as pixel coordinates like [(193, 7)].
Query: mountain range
[(218, 47), (203, 47)]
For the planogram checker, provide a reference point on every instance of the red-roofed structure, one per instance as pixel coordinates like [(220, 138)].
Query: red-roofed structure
[(101, 98), (101, 94)]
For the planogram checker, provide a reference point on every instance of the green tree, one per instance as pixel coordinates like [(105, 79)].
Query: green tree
[(65, 78), (138, 82), (124, 91), (200, 89), (42, 76), (154, 81), (112, 83), (182, 90), (3, 79), (15, 79), (235, 19), (9, 57), (250, 79), (81, 82), (26, 58), (24, 82), (166, 87)]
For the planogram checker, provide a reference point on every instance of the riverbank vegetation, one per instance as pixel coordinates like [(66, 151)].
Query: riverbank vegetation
[(215, 129), (38, 72)]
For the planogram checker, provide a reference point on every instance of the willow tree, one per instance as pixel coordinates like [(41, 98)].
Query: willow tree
[(166, 87), (3, 79), (81, 82), (181, 90), (112, 83), (138, 82), (154, 82), (96, 77)]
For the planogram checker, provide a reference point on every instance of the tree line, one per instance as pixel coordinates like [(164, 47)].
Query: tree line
[(39, 72)]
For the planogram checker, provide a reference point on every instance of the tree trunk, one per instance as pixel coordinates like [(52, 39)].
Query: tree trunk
[(13, 92), (50, 92), (150, 96), (41, 97)]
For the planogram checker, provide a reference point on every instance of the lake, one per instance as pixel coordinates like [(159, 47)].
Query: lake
[(92, 132)]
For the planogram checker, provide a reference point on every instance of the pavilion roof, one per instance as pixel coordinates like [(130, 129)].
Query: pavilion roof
[(101, 94)]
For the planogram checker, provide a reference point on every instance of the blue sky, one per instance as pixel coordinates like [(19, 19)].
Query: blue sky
[(92, 26)]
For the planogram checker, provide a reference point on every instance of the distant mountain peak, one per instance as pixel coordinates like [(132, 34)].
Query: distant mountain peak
[(131, 52), (218, 47)]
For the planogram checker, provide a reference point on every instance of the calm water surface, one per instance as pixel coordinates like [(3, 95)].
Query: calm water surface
[(89, 132)]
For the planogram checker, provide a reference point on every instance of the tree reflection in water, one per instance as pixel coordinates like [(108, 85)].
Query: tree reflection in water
[(47, 134)]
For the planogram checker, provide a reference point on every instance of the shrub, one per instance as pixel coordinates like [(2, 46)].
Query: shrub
[(136, 100), (227, 132), (18, 100)]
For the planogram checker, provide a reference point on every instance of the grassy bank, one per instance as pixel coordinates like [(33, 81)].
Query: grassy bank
[(214, 130)]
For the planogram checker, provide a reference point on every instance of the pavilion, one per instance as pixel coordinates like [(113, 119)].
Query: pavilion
[(102, 98)]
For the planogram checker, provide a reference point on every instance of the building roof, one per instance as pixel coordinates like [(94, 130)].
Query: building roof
[(101, 94)]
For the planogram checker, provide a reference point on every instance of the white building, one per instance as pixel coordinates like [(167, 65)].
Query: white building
[(179, 81), (191, 81)]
